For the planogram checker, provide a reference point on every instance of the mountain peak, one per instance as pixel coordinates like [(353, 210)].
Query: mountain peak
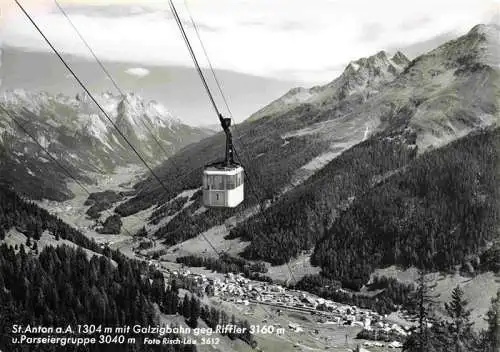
[(485, 28), (364, 74), (400, 59), (480, 45), (378, 64)]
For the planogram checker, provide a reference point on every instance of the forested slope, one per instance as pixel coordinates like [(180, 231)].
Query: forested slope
[(303, 215), (30, 219), (440, 211), (61, 286)]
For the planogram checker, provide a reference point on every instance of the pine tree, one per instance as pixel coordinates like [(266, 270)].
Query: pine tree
[(421, 303), (195, 312), (461, 326), (223, 318), (214, 318), (186, 307), (247, 335)]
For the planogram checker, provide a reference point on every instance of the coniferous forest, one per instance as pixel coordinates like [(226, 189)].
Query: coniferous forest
[(442, 211), (32, 220), (436, 212), (62, 286)]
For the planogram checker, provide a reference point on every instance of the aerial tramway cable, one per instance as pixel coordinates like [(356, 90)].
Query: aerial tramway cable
[(223, 182), (193, 57), (91, 96), (219, 86), (102, 110), (224, 123), (99, 106), (58, 163), (248, 180), (105, 70)]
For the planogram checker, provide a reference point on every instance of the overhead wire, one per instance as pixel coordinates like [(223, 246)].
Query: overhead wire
[(91, 96), (106, 71), (223, 97), (54, 159), (99, 106), (193, 57), (219, 86), (195, 26), (107, 116), (108, 74)]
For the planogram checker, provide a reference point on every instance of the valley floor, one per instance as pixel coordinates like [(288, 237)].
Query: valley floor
[(313, 335)]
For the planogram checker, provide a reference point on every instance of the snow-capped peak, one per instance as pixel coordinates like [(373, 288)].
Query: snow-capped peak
[(133, 108), (76, 126), (376, 65)]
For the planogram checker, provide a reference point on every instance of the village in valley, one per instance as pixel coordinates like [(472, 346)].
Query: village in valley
[(246, 294)]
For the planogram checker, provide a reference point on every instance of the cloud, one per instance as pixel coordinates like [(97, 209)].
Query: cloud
[(371, 31), (138, 71), (418, 48), (258, 37), (119, 10)]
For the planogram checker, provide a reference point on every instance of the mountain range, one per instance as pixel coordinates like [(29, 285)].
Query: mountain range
[(171, 86), (324, 162), (82, 139)]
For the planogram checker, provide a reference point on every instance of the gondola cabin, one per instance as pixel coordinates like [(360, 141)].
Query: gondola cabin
[(223, 185)]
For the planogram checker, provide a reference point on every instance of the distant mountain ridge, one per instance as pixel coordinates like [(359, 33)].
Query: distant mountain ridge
[(362, 75), (75, 131)]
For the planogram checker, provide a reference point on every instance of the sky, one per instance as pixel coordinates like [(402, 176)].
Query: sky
[(305, 41)]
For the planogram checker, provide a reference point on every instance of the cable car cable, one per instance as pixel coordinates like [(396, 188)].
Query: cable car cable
[(86, 90), (99, 106), (191, 53), (195, 26), (179, 23), (262, 210), (91, 96), (58, 163), (108, 74), (208, 60), (105, 70)]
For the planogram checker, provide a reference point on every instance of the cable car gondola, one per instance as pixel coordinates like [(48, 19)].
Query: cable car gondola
[(223, 181)]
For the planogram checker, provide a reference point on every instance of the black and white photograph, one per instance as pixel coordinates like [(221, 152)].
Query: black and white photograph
[(249, 175)]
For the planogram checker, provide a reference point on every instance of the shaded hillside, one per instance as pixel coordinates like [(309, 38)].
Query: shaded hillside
[(440, 211), (61, 287), (303, 215), (427, 108), (32, 220)]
